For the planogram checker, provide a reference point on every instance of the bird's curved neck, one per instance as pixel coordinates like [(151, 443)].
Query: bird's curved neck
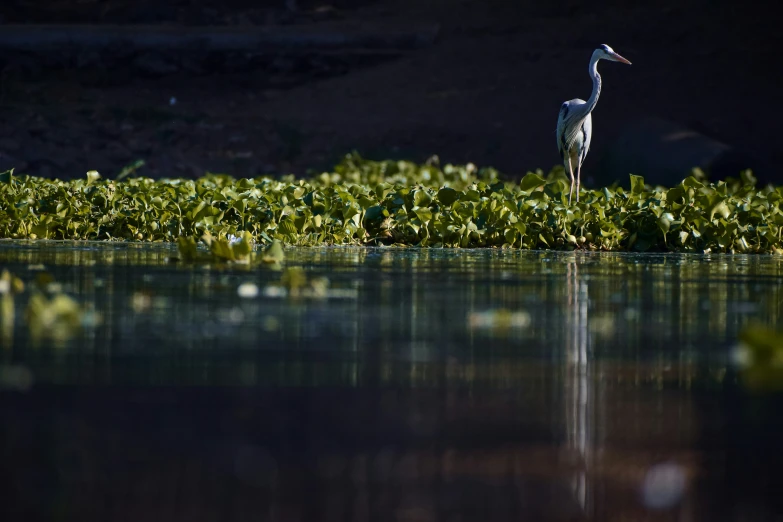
[(596, 85)]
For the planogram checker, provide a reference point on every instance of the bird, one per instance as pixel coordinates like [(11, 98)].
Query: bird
[(575, 124)]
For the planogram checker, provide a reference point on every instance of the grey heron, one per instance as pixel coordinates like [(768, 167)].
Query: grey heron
[(574, 123)]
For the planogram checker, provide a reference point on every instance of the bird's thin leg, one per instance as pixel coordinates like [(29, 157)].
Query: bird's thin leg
[(578, 177), (571, 173)]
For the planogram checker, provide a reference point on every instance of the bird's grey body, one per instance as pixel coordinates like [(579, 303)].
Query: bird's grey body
[(580, 144), (575, 123)]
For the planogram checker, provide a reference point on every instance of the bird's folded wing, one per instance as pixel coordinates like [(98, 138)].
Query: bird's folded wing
[(573, 128)]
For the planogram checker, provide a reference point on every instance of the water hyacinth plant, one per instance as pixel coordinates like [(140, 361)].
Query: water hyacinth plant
[(365, 202)]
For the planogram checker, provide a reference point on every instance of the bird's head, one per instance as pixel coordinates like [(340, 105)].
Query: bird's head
[(604, 52)]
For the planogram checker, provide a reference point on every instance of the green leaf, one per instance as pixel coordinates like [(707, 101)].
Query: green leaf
[(273, 253), (665, 222), (187, 247), (421, 198), (531, 182), (92, 177), (637, 184), (221, 249), (244, 247), (366, 203), (471, 195), (423, 213), (692, 182), (721, 209), (447, 196), (375, 213)]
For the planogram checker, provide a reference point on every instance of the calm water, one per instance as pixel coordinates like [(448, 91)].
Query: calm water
[(424, 385)]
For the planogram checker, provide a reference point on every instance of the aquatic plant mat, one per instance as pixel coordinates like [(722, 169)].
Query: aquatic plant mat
[(366, 202)]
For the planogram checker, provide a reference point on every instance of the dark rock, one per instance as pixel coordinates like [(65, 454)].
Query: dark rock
[(665, 152)]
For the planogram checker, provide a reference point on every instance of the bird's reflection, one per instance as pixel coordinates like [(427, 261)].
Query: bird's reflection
[(578, 388)]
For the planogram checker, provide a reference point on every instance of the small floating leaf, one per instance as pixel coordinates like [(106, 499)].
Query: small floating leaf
[(188, 250), (273, 253)]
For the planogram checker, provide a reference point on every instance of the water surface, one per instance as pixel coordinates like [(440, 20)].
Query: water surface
[(428, 384)]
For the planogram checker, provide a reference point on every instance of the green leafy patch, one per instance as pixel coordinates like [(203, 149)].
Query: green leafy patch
[(365, 202)]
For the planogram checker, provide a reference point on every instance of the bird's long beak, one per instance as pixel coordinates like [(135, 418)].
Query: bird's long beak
[(620, 59)]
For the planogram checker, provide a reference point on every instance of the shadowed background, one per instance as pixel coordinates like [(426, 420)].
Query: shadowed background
[(487, 90)]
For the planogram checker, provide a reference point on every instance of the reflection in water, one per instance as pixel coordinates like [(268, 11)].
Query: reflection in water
[(578, 380), (429, 385)]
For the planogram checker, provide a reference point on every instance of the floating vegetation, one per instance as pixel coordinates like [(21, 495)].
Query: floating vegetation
[(273, 254), (58, 318), (231, 249), (9, 286), (499, 321), (294, 284), (50, 313), (366, 202), (759, 356)]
